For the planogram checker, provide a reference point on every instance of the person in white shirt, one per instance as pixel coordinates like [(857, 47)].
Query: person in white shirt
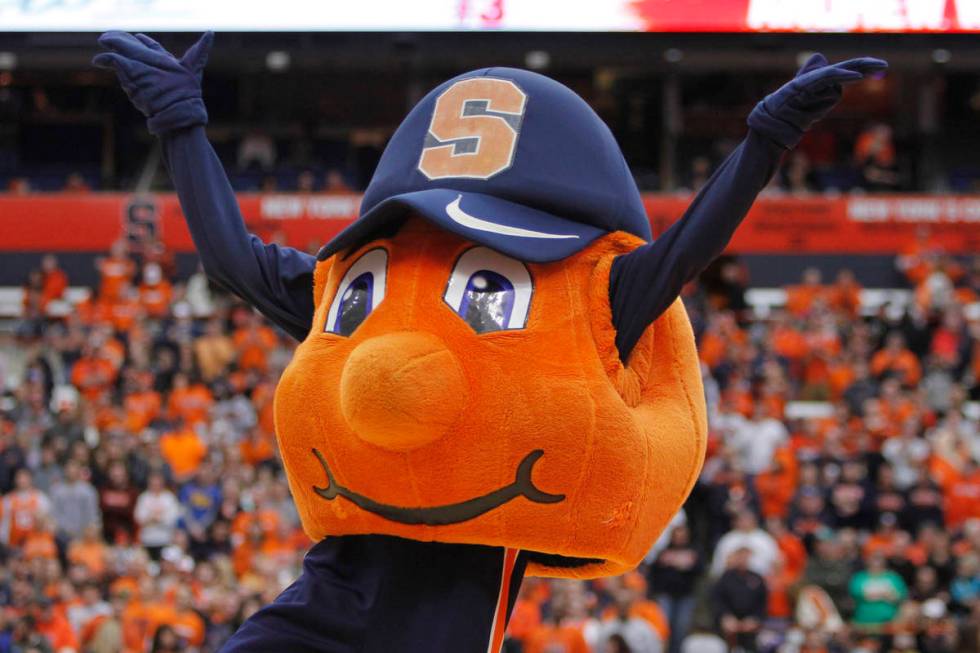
[(747, 534), (157, 511), (754, 441), (907, 453), (639, 635)]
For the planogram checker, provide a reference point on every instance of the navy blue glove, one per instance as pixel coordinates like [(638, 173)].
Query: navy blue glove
[(786, 114), (165, 89)]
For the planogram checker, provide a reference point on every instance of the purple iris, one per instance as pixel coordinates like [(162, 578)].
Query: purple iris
[(487, 301), (355, 304)]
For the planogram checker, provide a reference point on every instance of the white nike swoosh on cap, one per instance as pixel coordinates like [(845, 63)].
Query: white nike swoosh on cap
[(459, 216)]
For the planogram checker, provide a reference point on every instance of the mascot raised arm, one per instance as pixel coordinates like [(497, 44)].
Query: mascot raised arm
[(496, 377)]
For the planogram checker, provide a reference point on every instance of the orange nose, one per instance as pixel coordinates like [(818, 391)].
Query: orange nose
[(402, 390)]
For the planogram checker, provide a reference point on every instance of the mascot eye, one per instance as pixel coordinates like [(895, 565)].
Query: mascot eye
[(490, 291), (359, 293)]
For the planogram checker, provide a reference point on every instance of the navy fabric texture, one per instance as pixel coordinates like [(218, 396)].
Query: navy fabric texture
[(165, 89), (278, 281), (644, 283), (785, 115), (513, 229), (378, 594), (567, 166)]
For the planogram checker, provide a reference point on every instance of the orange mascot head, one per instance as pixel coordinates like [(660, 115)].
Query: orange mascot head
[(462, 381)]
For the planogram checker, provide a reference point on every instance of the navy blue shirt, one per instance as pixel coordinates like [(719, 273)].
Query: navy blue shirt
[(380, 594)]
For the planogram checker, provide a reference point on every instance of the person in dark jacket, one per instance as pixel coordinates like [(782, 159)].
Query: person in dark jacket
[(829, 569), (739, 598), (671, 580)]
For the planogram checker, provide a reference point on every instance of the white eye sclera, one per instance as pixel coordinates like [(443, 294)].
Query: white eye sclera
[(490, 291), (360, 291)]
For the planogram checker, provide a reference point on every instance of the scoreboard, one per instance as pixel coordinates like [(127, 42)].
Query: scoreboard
[(889, 16)]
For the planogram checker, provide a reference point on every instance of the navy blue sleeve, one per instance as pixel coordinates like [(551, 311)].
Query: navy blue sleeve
[(278, 281), (644, 283)]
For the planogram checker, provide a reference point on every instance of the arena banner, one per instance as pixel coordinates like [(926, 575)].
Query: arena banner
[(893, 16), (866, 224)]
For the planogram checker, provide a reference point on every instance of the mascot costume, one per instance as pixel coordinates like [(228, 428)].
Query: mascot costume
[(496, 377)]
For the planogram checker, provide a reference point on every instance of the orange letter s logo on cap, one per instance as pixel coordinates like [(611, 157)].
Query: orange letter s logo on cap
[(474, 129)]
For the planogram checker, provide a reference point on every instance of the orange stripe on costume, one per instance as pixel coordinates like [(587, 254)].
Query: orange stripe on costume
[(500, 612)]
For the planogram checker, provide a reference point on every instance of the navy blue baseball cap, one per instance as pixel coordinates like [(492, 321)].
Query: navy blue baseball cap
[(506, 158)]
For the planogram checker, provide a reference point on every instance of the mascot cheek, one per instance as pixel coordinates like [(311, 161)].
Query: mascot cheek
[(649, 441)]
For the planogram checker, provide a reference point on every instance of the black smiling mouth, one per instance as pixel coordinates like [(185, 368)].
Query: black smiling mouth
[(452, 513)]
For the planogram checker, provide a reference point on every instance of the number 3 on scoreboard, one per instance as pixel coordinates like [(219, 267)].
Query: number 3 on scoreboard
[(474, 129)]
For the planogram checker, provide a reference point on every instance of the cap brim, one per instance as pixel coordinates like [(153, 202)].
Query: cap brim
[(510, 228)]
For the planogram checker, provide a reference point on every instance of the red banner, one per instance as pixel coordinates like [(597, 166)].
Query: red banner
[(889, 16), (872, 224)]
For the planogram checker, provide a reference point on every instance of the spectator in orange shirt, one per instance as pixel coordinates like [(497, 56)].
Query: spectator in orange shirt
[(22, 510), (840, 375), (154, 251), (962, 493), (777, 483), (190, 401), (258, 447), (551, 636), (790, 546), (110, 348), (884, 541), (874, 155), (896, 407), (787, 340), (801, 297), (54, 281), (914, 260), (253, 341), (525, 618), (248, 548), (155, 292), (117, 271), (214, 351), (93, 374), (142, 403), (89, 551), (720, 339), (183, 450), (123, 311), (40, 543), (845, 295), (53, 625), (896, 359), (186, 622)]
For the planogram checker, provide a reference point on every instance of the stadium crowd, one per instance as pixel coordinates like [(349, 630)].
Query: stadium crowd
[(144, 508)]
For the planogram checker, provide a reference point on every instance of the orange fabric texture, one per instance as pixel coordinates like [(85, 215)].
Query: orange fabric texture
[(457, 412)]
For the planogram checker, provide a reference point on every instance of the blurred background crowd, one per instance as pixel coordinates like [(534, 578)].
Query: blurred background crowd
[(144, 507)]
